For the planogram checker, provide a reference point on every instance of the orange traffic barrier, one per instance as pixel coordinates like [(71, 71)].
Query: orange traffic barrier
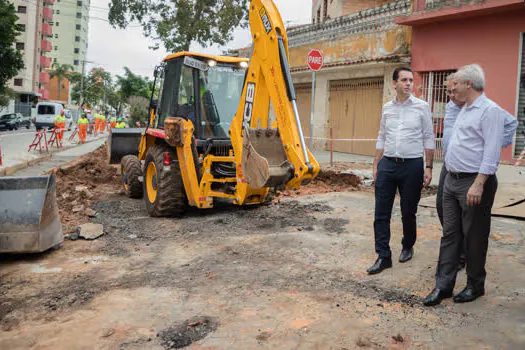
[(37, 141)]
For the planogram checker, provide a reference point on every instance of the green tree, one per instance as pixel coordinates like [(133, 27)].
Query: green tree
[(10, 58), (61, 72), (178, 23), (133, 85)]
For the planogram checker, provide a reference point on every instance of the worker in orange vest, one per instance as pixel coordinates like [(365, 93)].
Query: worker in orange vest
[(97, 123), (102, 123), (82, 128), (113, 122), (60, 125)]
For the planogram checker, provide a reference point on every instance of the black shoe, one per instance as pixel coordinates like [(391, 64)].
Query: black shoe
[(380, 265), (469, 294), (435, 297), (406, 254)]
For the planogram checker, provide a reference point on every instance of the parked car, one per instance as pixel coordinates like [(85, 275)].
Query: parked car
[(25, 122), (11, 121), (46, 113)]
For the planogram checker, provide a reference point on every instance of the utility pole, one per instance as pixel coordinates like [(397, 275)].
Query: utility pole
[(82, 81)]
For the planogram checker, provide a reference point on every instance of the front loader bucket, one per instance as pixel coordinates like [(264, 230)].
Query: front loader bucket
[(29, 219), (264, 162), (123, 142)]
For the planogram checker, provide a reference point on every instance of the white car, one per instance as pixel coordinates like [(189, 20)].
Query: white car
[(46, 113)]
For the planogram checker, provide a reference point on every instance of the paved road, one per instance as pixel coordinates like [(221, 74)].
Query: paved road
[(15, 144)]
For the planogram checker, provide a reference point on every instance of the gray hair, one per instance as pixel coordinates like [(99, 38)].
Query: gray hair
[(450, 77), (473, 73)]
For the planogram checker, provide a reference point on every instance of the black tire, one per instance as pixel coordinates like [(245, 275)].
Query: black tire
[(130, 170), (163, 189)]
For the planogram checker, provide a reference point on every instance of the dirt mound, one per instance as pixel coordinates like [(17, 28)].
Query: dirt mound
[(81, 182), (325, 182)]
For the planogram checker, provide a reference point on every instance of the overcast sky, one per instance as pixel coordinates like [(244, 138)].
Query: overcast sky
[(113, 49)]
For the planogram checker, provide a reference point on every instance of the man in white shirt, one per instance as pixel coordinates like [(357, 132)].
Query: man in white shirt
[(405, 133), (472, 158)]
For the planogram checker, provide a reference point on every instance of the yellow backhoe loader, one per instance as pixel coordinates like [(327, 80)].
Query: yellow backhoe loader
[(222, 127)]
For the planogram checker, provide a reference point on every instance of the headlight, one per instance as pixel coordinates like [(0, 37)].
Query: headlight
[(212, 63), (243, 64)]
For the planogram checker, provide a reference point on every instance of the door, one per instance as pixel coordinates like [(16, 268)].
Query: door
[(304, 102), (520, 132), (355, 114)]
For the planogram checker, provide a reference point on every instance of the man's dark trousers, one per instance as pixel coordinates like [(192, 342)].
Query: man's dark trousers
[(464, 224), (407, 176), (439, 207)]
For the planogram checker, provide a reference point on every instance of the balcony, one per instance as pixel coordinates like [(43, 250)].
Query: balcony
[(43, 77), (45, 62), (47, 30), (430, 11), (44, 94), (49, 2), (45, 46), (47, 13)]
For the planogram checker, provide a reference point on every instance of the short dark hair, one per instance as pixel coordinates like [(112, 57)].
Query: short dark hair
[(395, 76)]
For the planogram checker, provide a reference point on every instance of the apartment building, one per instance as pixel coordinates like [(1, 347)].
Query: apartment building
[(33, 41), (70, 32)]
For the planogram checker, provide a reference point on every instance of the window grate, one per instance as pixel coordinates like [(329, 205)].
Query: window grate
[(434, 91)]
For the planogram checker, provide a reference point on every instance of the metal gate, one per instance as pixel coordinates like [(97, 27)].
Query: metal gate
[(434, 91), (355, 114), (304, 102), (520, 133)]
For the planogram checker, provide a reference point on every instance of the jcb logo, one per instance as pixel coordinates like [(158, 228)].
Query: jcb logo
[(265, 20), (248, 103)]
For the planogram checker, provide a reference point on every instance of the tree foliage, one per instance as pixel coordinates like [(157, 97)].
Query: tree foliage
[(103, 90), (61, 72), (133, 85), (10, 58), (178, 23)]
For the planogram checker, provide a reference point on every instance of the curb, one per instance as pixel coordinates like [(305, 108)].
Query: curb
[(10, 170)]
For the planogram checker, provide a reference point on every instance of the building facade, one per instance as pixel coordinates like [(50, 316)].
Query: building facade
[(361, 50), (324, 10), (34, 44), (70, 33), (447, 35)]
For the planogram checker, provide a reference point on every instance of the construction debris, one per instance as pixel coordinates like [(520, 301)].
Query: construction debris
[(90, 231)]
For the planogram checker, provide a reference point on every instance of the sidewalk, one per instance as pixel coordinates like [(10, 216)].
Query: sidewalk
[(16, 157)]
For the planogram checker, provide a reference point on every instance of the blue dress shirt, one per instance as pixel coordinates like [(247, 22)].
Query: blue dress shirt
[(475, 142)]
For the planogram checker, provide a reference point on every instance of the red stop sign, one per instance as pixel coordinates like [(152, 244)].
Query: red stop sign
[(315, 60)]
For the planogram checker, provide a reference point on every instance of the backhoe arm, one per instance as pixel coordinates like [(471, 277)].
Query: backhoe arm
[(269, 154)]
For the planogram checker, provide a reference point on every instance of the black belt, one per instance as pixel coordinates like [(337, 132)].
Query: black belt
[(458, 176), (399, 160)]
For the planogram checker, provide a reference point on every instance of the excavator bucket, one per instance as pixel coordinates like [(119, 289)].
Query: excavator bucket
[(123, 142), (29, 219), (264, 161)]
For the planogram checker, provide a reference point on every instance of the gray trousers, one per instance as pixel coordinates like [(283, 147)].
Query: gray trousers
[(462, 224), (439, 207)]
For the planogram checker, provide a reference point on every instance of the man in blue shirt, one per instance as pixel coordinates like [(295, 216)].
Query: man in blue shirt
[(451, 113), (472, 157)]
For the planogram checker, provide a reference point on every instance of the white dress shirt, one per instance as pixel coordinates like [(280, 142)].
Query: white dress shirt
[(406, 128), (477, 138)]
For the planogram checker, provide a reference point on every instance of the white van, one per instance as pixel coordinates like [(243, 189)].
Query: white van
[(46, 113)]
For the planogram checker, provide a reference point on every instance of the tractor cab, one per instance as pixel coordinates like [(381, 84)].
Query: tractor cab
[(204, 89)]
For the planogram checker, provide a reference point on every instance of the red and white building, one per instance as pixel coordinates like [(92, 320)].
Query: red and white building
[(34, 44), (449, 34)]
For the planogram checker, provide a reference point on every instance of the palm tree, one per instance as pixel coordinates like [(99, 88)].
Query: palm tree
[(61, 72)]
